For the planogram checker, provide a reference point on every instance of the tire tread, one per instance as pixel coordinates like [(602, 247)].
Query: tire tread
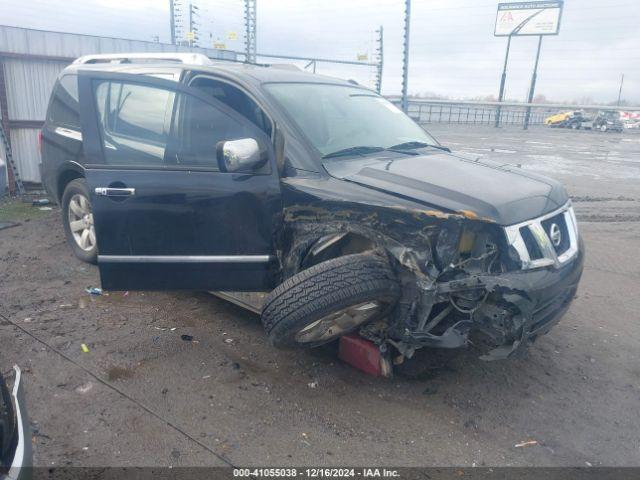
[(312, 293)]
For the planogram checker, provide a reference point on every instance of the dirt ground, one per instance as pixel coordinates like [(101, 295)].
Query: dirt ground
[(144, 396)]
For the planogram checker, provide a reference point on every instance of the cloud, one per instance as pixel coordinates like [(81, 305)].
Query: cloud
[(453, 50)]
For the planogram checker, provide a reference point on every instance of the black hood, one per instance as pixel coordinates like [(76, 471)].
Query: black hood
[(494, 191)]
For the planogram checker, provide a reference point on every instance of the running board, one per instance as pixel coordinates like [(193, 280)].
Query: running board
[(251, 301)]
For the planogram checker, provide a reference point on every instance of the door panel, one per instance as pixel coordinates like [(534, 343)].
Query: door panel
[(181, 224)]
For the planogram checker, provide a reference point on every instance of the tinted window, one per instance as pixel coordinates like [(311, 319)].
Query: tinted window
[(198, 128), (135, 122), (236, 99), (63, 110)]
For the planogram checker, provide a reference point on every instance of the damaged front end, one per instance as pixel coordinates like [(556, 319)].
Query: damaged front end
[(497, 287), (464, 279)]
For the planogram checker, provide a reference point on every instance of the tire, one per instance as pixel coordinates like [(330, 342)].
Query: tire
[(297, 311), (76, 207), (603, 128)]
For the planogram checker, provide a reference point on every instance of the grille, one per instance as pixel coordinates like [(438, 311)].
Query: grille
[(560, 226), (549, 240)]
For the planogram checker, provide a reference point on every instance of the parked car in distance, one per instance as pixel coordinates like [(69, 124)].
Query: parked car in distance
[(630, 119), (576, 121), (608, 121), (15, 436), (315, 196), (557, 118)]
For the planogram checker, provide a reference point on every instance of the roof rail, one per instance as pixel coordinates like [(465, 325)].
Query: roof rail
[(285, 66), (177, 57)]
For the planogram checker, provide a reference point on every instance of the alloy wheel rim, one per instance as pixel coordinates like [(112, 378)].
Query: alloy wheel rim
[(338, 323), (81, 222)]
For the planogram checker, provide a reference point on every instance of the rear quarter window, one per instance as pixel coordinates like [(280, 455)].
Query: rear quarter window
[(64, 106)]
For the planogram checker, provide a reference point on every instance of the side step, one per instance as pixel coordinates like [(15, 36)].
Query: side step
[(251, 301)]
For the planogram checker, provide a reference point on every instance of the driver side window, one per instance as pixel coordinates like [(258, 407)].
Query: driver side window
[(235, 99), (198, 128), (148, 126)]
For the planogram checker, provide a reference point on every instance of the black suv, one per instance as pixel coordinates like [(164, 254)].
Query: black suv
[(319, 196)]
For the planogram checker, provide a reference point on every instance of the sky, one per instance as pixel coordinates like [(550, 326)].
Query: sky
[(453, 52)]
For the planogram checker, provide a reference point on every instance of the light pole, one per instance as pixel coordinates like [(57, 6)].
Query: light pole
[(405, 58), (532, 88), (503, 79), (193, 29), (380, 54), (250, 26), (172, 22), (620, 90)]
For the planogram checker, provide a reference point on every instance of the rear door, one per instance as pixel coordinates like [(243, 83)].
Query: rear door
[(165, 216)]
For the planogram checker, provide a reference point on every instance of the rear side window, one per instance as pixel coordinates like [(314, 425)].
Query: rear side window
[(135, 122), (63, 110)]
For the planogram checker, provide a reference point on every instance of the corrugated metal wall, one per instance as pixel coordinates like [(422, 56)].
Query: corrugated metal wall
[(32, 60), (24, 145), (29, 84), (58, 44)]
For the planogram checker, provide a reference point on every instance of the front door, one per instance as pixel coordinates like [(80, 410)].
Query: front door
[(165, 216)]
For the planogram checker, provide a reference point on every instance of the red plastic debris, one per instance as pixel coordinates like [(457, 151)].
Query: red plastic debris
[(363, 355)]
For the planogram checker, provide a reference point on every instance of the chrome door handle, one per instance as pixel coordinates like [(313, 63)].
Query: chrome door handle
[(115, 192)]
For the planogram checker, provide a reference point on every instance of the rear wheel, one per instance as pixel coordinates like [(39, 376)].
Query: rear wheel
[(77, 218), (603, 128), (326, 301)]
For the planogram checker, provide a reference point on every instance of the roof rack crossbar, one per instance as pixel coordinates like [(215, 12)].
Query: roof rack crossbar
[(178, 57)]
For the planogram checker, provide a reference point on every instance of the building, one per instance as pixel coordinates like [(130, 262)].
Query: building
[(30, 61)]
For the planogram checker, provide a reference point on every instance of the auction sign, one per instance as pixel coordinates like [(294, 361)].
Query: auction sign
[(528, 18)]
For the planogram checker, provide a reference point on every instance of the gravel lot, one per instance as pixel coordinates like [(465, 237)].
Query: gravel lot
[(144, 396)]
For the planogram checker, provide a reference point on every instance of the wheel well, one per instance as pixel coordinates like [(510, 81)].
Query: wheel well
[(64, 179), (336, 245)]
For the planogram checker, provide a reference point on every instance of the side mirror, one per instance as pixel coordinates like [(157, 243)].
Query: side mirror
[(242, 155)]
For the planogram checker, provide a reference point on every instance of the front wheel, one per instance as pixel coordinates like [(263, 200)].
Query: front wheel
[(603, 128), (77, 218), (330, 299)]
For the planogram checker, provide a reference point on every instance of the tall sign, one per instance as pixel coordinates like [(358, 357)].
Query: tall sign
[(528, 18), (525, 19)]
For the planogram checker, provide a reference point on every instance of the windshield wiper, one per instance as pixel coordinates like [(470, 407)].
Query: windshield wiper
[(417, 144), (400, 148), (361, 150)]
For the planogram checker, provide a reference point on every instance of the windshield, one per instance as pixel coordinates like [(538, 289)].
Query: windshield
[(339, 117)]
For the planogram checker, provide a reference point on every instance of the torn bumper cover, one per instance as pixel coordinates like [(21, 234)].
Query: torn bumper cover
[(518, 306)]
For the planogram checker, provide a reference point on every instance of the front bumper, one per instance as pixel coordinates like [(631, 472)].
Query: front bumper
[(520, 306), (541, 296), (19, 468)]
